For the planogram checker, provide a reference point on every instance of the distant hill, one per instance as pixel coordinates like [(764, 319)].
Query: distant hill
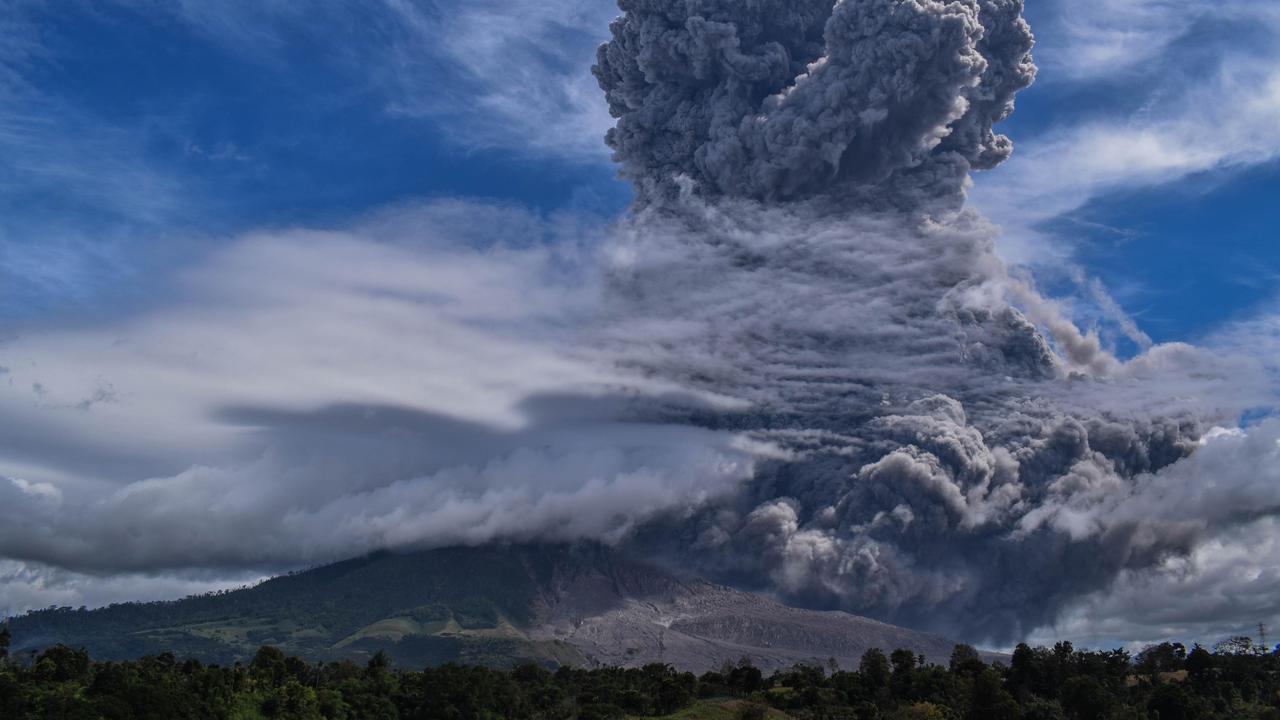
[(578, 605)]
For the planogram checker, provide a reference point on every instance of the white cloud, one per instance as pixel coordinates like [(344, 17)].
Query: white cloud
[(287, 318), (1229, 582), (310, 395), (1224, 588), (1096, 39), (43, 492), (514, 76), (527, 69), (74, 186), (1230, 120), (31, 586), (1186, 101)]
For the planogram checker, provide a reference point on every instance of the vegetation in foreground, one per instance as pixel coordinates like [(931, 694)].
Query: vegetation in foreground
[(1164, 682)]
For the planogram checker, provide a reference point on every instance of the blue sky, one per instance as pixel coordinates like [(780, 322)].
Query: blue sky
[(197, 198), (1191, 249), (133, 141)]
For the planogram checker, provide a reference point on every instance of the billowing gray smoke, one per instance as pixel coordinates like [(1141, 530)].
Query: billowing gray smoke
[(777, 100), (800, 243)]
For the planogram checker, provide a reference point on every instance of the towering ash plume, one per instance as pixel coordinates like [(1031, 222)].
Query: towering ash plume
[(799, 243), (882, 101)]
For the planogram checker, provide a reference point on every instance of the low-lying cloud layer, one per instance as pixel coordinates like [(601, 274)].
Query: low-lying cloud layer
[(322, 394), (799, 365)]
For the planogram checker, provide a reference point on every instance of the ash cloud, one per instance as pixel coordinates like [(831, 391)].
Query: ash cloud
[(950, 463), (881, 102), (962, 456)]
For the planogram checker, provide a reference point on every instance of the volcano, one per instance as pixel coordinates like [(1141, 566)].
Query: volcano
[(579, 605)]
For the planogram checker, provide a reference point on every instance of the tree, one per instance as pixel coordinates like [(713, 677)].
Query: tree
[(379, 664), (919, 711), (1023, 669), (966, 661), (746, 678), (672, 694), (1239, 645), (61, 664), (904, 661), (990, 701), (1165, 657), (1170, 702), (1043, 710), (874, 668), (1084, 698), (268, 666), (904, 667), (292, 701), (1199, 662), (4, 642)]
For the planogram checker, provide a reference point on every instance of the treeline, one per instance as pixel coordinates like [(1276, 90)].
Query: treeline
[(1164, 682)]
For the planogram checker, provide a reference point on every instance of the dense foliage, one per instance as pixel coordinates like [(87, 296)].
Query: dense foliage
[(1165, 682)]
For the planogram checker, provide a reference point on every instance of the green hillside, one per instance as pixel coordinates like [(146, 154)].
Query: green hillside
[(462, 604)]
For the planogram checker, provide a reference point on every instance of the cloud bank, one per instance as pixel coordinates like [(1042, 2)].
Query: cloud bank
[(799, 365), (374, 392)]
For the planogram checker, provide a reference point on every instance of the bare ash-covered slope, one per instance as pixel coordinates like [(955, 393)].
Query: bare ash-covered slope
[(497, 605), (699, 626)]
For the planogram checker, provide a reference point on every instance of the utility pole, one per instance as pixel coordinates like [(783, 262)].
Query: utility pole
[(1262, 634)]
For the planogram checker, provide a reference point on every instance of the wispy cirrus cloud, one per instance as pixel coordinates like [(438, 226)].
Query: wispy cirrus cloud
[(1093, 39), (526, 73), (1230, 120), (76, 189), (99, 187), (495, 75), (1131, 97)]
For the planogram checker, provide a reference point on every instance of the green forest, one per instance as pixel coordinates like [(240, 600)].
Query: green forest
[(1235, 680)]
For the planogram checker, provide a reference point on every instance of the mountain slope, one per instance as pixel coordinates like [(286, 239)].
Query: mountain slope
[(497, 605)]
